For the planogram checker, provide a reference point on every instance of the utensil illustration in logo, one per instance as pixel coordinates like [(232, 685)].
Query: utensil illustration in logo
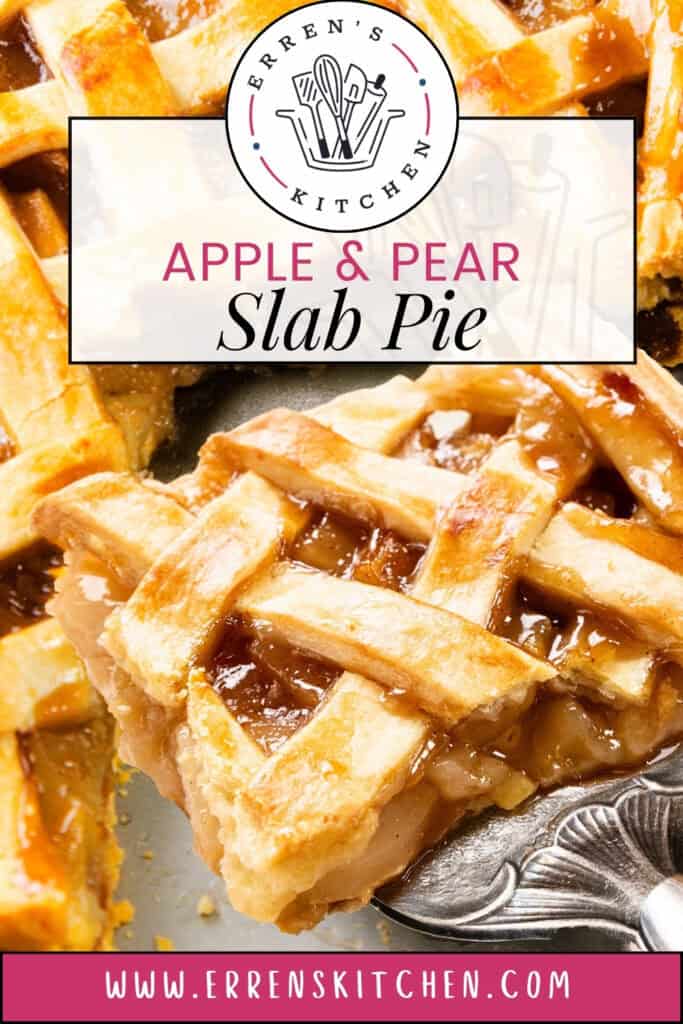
[(328, 78), (308, 96), (377, 94), (355, 86), (345, 113)]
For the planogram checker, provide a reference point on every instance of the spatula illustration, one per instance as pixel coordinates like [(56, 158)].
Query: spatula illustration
[(308, 96), (355, 84), (328, 78)]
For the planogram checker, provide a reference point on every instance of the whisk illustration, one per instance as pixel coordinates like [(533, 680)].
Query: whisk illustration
[(328, 77)]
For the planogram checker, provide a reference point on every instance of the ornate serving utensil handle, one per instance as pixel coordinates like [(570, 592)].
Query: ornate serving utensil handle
[(661, 916), (606, 858)]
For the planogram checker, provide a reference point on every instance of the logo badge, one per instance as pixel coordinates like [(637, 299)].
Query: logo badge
[(342, 115)]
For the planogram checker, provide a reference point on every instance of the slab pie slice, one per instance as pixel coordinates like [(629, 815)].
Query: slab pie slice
[(352, 627)]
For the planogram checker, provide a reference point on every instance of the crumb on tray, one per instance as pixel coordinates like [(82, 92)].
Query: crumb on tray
[(122, 912), (206, 906)]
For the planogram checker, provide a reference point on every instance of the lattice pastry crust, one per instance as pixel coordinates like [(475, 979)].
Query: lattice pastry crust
[(66, 422), (58, 424), (558, 57), (350, 627)]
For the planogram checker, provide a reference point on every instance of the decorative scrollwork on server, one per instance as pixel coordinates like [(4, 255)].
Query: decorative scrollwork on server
[(612, 865)]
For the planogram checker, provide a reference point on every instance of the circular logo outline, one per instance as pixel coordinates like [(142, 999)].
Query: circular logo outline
[(318, 5)]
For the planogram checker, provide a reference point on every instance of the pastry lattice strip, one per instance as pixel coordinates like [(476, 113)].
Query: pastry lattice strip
[(283, 853), (43, 683), (49, 857), (103, 64), (33, 914), (540, 73)]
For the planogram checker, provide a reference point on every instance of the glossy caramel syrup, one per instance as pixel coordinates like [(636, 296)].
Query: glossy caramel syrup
[(462, 451), (626, 100), (26, 585), (273, 689), (47, 171), (548, 627), (160, 19), (606, 491), (270, 688), (537, 15), (604, 49), (562, 738), (67, 811), (21, 64), (659, 333), (352, 550)]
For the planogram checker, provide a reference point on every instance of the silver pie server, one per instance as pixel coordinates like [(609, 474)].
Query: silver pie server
[(604, 859)]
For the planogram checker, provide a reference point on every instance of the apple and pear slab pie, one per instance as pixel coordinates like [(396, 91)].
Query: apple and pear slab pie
[(57, 859), (349, 628)]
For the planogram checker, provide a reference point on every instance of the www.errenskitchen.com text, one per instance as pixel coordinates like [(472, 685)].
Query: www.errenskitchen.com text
[(338, 984)]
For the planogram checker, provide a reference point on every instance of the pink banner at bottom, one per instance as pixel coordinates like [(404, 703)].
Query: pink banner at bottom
[(344, 987)]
